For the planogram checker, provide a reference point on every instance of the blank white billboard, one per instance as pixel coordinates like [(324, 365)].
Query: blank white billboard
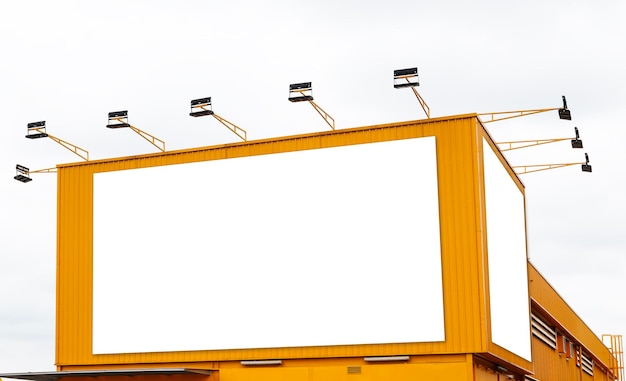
[(508, 269), (330, 246)]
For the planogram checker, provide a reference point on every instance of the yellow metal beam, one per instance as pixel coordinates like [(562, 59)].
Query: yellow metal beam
[(45, 170), (327, 118), (158, 143), (509, 146), (421, 100), (522, 169), (83, 154), (503, 115), (233, 127)]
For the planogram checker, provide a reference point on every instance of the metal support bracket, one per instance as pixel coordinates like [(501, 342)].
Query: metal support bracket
[(327, 118), (422, 102), (233, 127), (83, 154), (158, 143), (503, 115)]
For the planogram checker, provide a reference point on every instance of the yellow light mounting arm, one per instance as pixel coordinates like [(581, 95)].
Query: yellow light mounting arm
[(327, 118), (303, 92), (44, 170), (513, 145), (564, 113), (203, 107), (233, 127), (119, 119), (38, 130), (422, 102), (158, 143), (23, 173), (523, 169), (74, 148)]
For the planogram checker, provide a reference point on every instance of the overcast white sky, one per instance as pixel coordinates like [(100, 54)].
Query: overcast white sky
[(70, 62)]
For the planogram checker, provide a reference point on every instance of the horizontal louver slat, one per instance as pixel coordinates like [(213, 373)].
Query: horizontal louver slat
[(543, 331), (587, 364)]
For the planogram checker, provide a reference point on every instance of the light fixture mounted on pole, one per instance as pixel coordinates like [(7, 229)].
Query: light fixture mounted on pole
[(522, 169), (564, 113), (119, 119), (410, 78), (37, 130), (204, 107), (518, 144), (22, 173), (303, 92)]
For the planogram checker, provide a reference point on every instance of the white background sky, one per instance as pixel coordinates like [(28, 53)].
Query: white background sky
[(71, 62)]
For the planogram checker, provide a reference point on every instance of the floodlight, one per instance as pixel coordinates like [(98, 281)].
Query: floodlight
[(22, 174), (586, 167), (203, 107), (204, 104), (409, 78), (564, 113), (118, 119), (576, 142), (36, 130), (300, 92), (405, 78)]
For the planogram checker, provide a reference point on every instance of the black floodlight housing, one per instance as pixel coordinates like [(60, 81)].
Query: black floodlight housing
[(576, 142), (300, 92), (564, 113), (201, 107), (22, 174), (36, 130), (118, 119), (405, 78), (586, 167)]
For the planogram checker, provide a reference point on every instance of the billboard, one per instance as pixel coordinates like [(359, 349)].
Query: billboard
[(332, 246)]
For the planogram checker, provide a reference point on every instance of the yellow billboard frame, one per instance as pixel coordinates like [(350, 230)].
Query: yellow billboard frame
[(459, 141)]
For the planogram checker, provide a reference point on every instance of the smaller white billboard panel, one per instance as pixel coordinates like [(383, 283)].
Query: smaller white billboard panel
[(508, 269), (331, 246)]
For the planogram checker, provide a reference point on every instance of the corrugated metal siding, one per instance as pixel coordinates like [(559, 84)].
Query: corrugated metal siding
[(463, 267), (553, 307), (551, 366)]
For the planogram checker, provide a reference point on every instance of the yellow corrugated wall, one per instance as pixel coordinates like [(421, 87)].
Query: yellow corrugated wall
[(458, 141), (549, 365)]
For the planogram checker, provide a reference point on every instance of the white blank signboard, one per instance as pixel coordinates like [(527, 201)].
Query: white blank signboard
[(330, 246), (508, 268)]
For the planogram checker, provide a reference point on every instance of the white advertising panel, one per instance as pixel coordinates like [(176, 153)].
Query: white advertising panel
[(330, 246), (506, 245)]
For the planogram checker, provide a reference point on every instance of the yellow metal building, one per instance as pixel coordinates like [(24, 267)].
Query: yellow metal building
[(484, 335)]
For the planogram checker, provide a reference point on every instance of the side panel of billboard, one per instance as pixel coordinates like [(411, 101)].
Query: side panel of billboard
[(506, 244)]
